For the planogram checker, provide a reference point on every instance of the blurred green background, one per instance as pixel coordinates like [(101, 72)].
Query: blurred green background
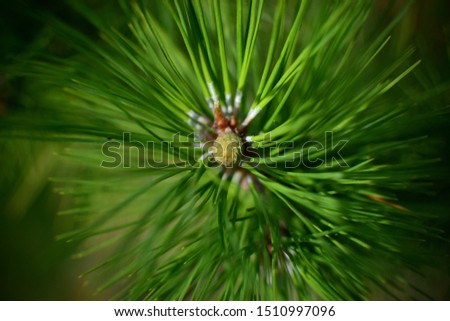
[(34, 265)]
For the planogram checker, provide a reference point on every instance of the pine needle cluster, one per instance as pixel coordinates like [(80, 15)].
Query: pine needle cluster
[(320, 202)]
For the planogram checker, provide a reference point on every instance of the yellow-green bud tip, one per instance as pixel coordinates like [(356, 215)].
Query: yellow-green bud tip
[(227, 149)]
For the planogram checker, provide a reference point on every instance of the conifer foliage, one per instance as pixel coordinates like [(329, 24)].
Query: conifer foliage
[(239, 150)]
